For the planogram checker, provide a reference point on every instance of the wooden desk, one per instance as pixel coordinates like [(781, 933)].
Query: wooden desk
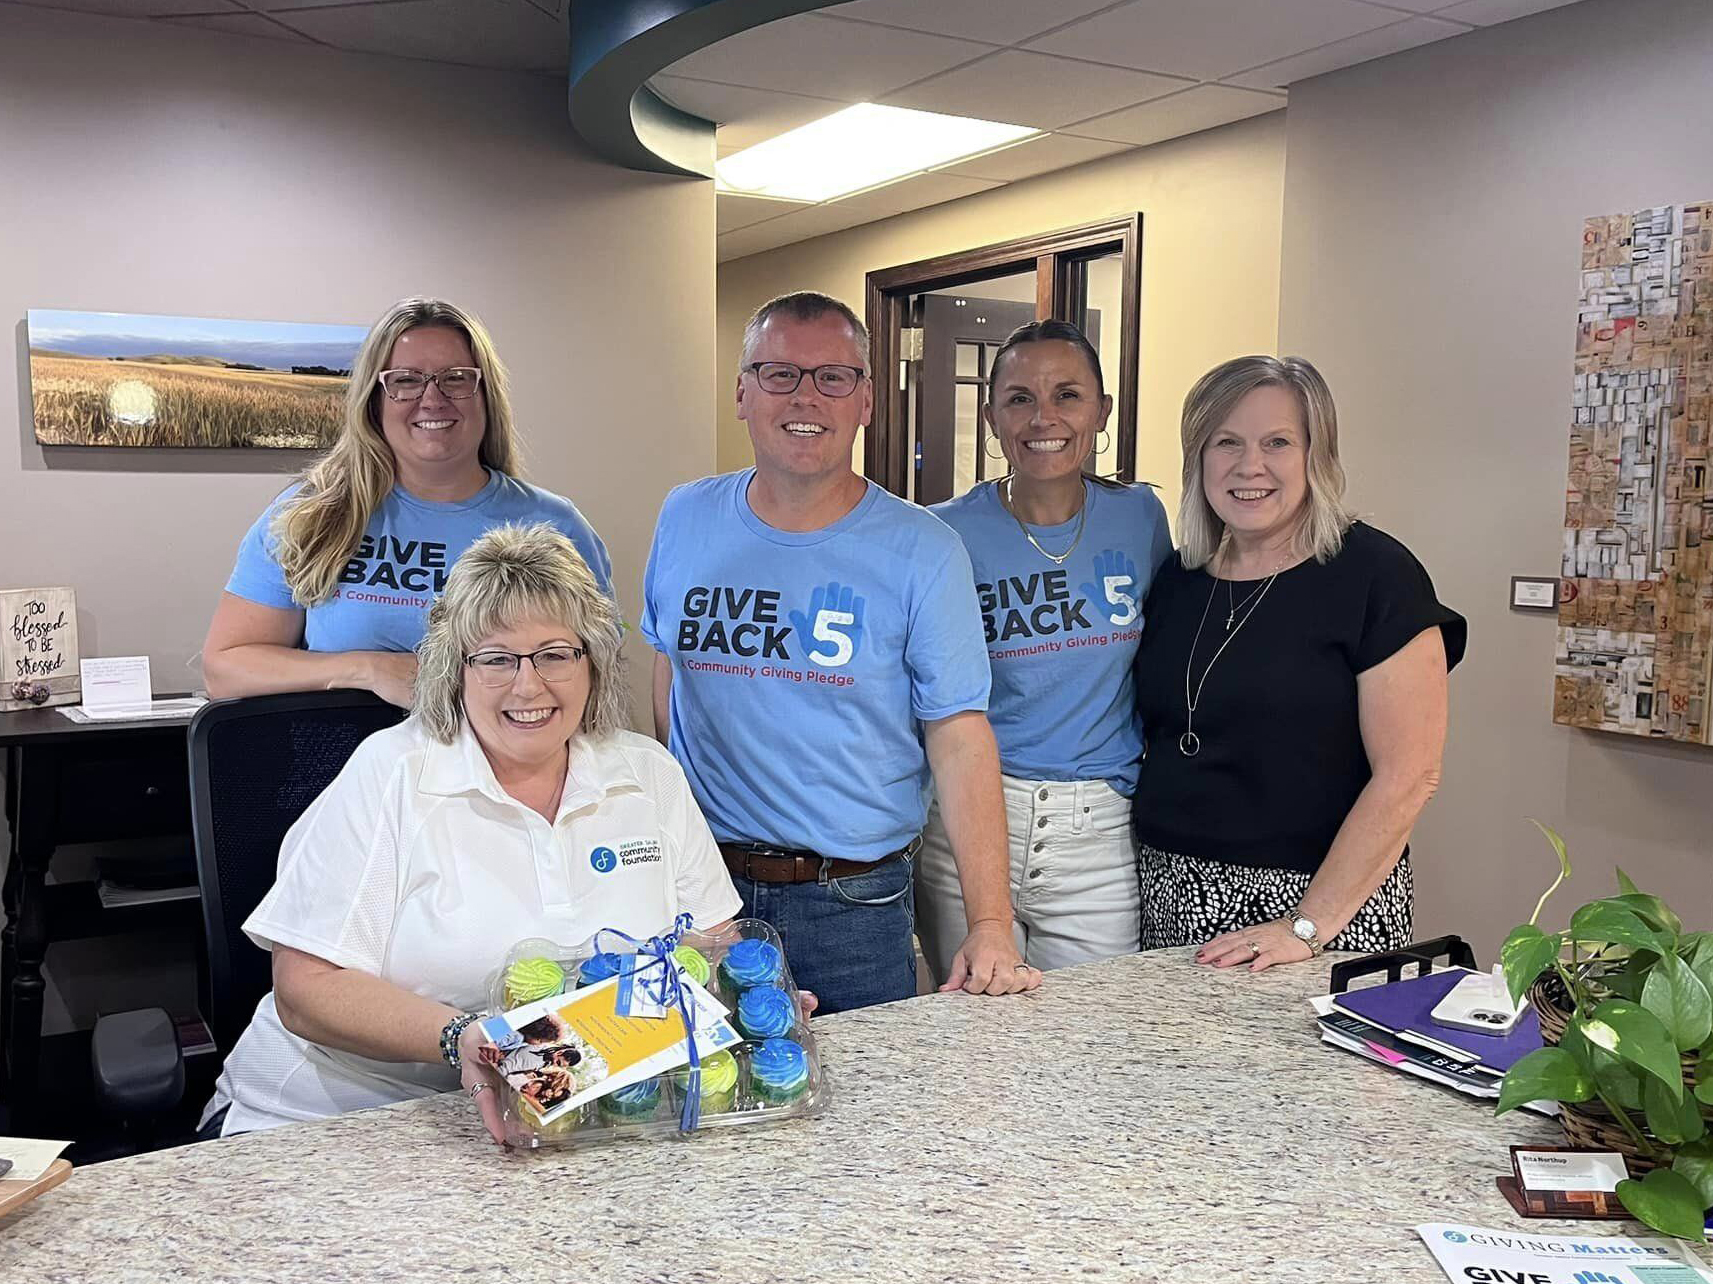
[(69, 782)]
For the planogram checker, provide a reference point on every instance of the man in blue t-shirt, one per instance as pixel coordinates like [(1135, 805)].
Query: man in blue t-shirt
[(821, 663)]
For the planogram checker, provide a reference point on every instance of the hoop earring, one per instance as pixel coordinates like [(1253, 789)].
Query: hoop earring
[(1107, 433), (991, 440)]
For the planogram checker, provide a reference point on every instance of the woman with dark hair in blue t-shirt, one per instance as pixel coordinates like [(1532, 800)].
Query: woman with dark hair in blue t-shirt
[(1062, 563), (333, 582)]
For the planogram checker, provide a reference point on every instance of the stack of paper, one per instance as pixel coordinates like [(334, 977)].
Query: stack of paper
[(1391, 1025)]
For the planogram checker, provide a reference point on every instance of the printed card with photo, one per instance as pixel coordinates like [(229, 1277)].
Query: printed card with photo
[(561, 1052)]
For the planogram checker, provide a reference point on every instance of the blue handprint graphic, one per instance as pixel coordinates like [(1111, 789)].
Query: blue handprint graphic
[(833, 623), (1114, 588)]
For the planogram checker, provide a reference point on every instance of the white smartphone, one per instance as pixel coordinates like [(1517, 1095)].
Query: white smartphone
[(1479, 1002)]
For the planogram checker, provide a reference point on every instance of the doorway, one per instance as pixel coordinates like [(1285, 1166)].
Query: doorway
[(936, 325)]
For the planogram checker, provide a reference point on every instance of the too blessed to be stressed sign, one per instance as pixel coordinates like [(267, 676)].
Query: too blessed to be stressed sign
[(38, 644)]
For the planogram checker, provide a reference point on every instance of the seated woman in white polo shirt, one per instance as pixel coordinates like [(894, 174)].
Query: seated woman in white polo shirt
[(466, 828)]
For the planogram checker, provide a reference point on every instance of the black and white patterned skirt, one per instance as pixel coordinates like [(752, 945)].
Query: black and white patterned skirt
[(1186, 901)]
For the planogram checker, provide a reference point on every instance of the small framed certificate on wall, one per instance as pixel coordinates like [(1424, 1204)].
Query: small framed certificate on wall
[(1533, 595)]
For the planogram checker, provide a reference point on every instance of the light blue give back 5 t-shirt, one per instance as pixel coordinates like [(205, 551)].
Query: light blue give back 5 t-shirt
[(382, 598), (1062, 639), (804, 662)]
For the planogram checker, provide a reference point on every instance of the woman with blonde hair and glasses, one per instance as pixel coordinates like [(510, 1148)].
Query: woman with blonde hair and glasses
[(1292, 679), (513, 803), (333, 582)]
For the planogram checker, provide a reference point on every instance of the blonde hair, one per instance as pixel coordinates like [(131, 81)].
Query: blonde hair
[(319, 527), (511, 574), (1320, 534)]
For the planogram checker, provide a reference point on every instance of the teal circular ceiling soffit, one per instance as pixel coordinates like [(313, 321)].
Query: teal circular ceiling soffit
[(618, 45)]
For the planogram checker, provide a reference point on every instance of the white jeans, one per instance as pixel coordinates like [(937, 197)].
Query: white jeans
[(1074, 888)]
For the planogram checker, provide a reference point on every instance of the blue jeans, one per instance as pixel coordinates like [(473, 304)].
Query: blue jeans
[(849, 939)]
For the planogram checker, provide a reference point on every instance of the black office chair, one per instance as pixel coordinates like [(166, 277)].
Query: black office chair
[(255, 766)]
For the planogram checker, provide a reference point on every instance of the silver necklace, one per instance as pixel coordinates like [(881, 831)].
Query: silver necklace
[(1234, 607), (1189, 744), (1057, 559)]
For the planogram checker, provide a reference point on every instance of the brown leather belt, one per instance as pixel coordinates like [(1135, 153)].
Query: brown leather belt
[(763, 864)]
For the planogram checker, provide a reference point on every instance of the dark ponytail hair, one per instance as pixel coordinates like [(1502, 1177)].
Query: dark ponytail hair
[(1044, 332)]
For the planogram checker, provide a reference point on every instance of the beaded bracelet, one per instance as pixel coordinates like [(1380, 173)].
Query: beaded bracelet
[(451, 1032)]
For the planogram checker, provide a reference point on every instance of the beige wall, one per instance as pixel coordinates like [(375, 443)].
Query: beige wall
[(1433, 212), (1210, 264), (154, 169)]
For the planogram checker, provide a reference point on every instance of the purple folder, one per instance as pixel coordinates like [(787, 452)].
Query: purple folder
[(1404, 1005)]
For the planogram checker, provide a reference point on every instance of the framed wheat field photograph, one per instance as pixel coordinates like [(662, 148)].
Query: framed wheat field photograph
[(119, 379)]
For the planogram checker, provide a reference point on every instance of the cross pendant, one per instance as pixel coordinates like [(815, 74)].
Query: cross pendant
[(1228, 619)]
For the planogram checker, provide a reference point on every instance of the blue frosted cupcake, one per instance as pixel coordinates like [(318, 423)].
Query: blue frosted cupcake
[(779, 1071), (597, 968), (764, 1012), (638, 1101), (750, 962)]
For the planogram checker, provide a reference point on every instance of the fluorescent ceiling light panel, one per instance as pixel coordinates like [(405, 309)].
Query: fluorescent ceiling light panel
[(858, 148)]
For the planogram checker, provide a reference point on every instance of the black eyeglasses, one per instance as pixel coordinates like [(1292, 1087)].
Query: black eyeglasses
[(552, 664), (456, 382), (784, 377)]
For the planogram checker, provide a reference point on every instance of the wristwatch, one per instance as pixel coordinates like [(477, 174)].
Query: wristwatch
[(1304, 929)]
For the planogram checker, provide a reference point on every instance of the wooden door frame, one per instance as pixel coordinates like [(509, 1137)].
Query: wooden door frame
[(1053, 254)]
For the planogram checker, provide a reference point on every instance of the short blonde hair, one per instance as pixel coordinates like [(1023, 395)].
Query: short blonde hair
[(508, 575), (319, 527), (1210, 403)]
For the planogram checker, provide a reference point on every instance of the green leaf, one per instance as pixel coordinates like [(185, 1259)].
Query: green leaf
[(1621, 1082), (1550, 1074), (1636, 1035), (1701, 963), (1652, 911), (1695, 1162), (1667, 1201), (1672, 1121), (1704, 1077), (1526, 953), (1676, 996), (1557, 846), (1609, 922), (1624, 884)]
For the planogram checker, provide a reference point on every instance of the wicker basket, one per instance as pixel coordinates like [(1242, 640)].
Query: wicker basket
[(1588, 1125)]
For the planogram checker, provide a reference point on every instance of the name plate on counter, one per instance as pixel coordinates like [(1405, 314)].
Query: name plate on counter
[(1559, 1181)]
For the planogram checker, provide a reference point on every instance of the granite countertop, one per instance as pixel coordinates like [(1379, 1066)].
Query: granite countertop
[(1141, 1118)]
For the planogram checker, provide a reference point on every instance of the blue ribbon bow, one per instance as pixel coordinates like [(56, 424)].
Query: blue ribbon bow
[(658, 977)]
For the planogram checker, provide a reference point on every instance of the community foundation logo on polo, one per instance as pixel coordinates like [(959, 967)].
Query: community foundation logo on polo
[(824, 633), (633, 851), (1045, 605)]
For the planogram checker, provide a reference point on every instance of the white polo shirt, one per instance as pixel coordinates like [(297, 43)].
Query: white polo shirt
[(416, 867)]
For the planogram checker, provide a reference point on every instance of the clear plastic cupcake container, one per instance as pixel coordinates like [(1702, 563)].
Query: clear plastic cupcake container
[(778, 1070)]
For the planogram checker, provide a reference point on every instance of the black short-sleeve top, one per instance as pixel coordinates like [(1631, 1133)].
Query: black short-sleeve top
[(1280, 760)]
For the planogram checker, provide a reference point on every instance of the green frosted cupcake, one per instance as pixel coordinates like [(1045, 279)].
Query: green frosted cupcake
[(719, 1082), (694, 963), (530, 979)]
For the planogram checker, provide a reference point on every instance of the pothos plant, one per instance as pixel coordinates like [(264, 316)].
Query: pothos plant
[(1639, 1039)]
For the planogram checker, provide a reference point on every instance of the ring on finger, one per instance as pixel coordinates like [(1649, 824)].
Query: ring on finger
[(1254, 949), (477, 1089)]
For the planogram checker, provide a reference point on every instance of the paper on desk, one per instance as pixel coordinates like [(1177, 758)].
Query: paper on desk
[(115, 683), (30, 1158), (1481, 1253), (177, 707)]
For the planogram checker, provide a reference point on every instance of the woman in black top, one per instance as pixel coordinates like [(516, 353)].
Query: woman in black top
[(1292, 685)]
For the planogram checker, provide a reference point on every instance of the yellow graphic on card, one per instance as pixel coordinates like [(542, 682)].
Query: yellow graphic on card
[(622, 1040)]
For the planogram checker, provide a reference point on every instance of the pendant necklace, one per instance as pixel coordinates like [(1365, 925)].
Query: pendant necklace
[(1057, 559), (1189, 744)]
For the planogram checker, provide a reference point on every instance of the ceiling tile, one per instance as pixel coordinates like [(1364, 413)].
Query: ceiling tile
[(745, 116), (1487, 13), (810, 54), (895, 198), (511, 34), (1034, 89), (1212, 38), (1037, 156), (732, 212), (139, 8), (762, 236), (282, 6), (1187, 113), (999, 22), (240, 24), (1347, 53)]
